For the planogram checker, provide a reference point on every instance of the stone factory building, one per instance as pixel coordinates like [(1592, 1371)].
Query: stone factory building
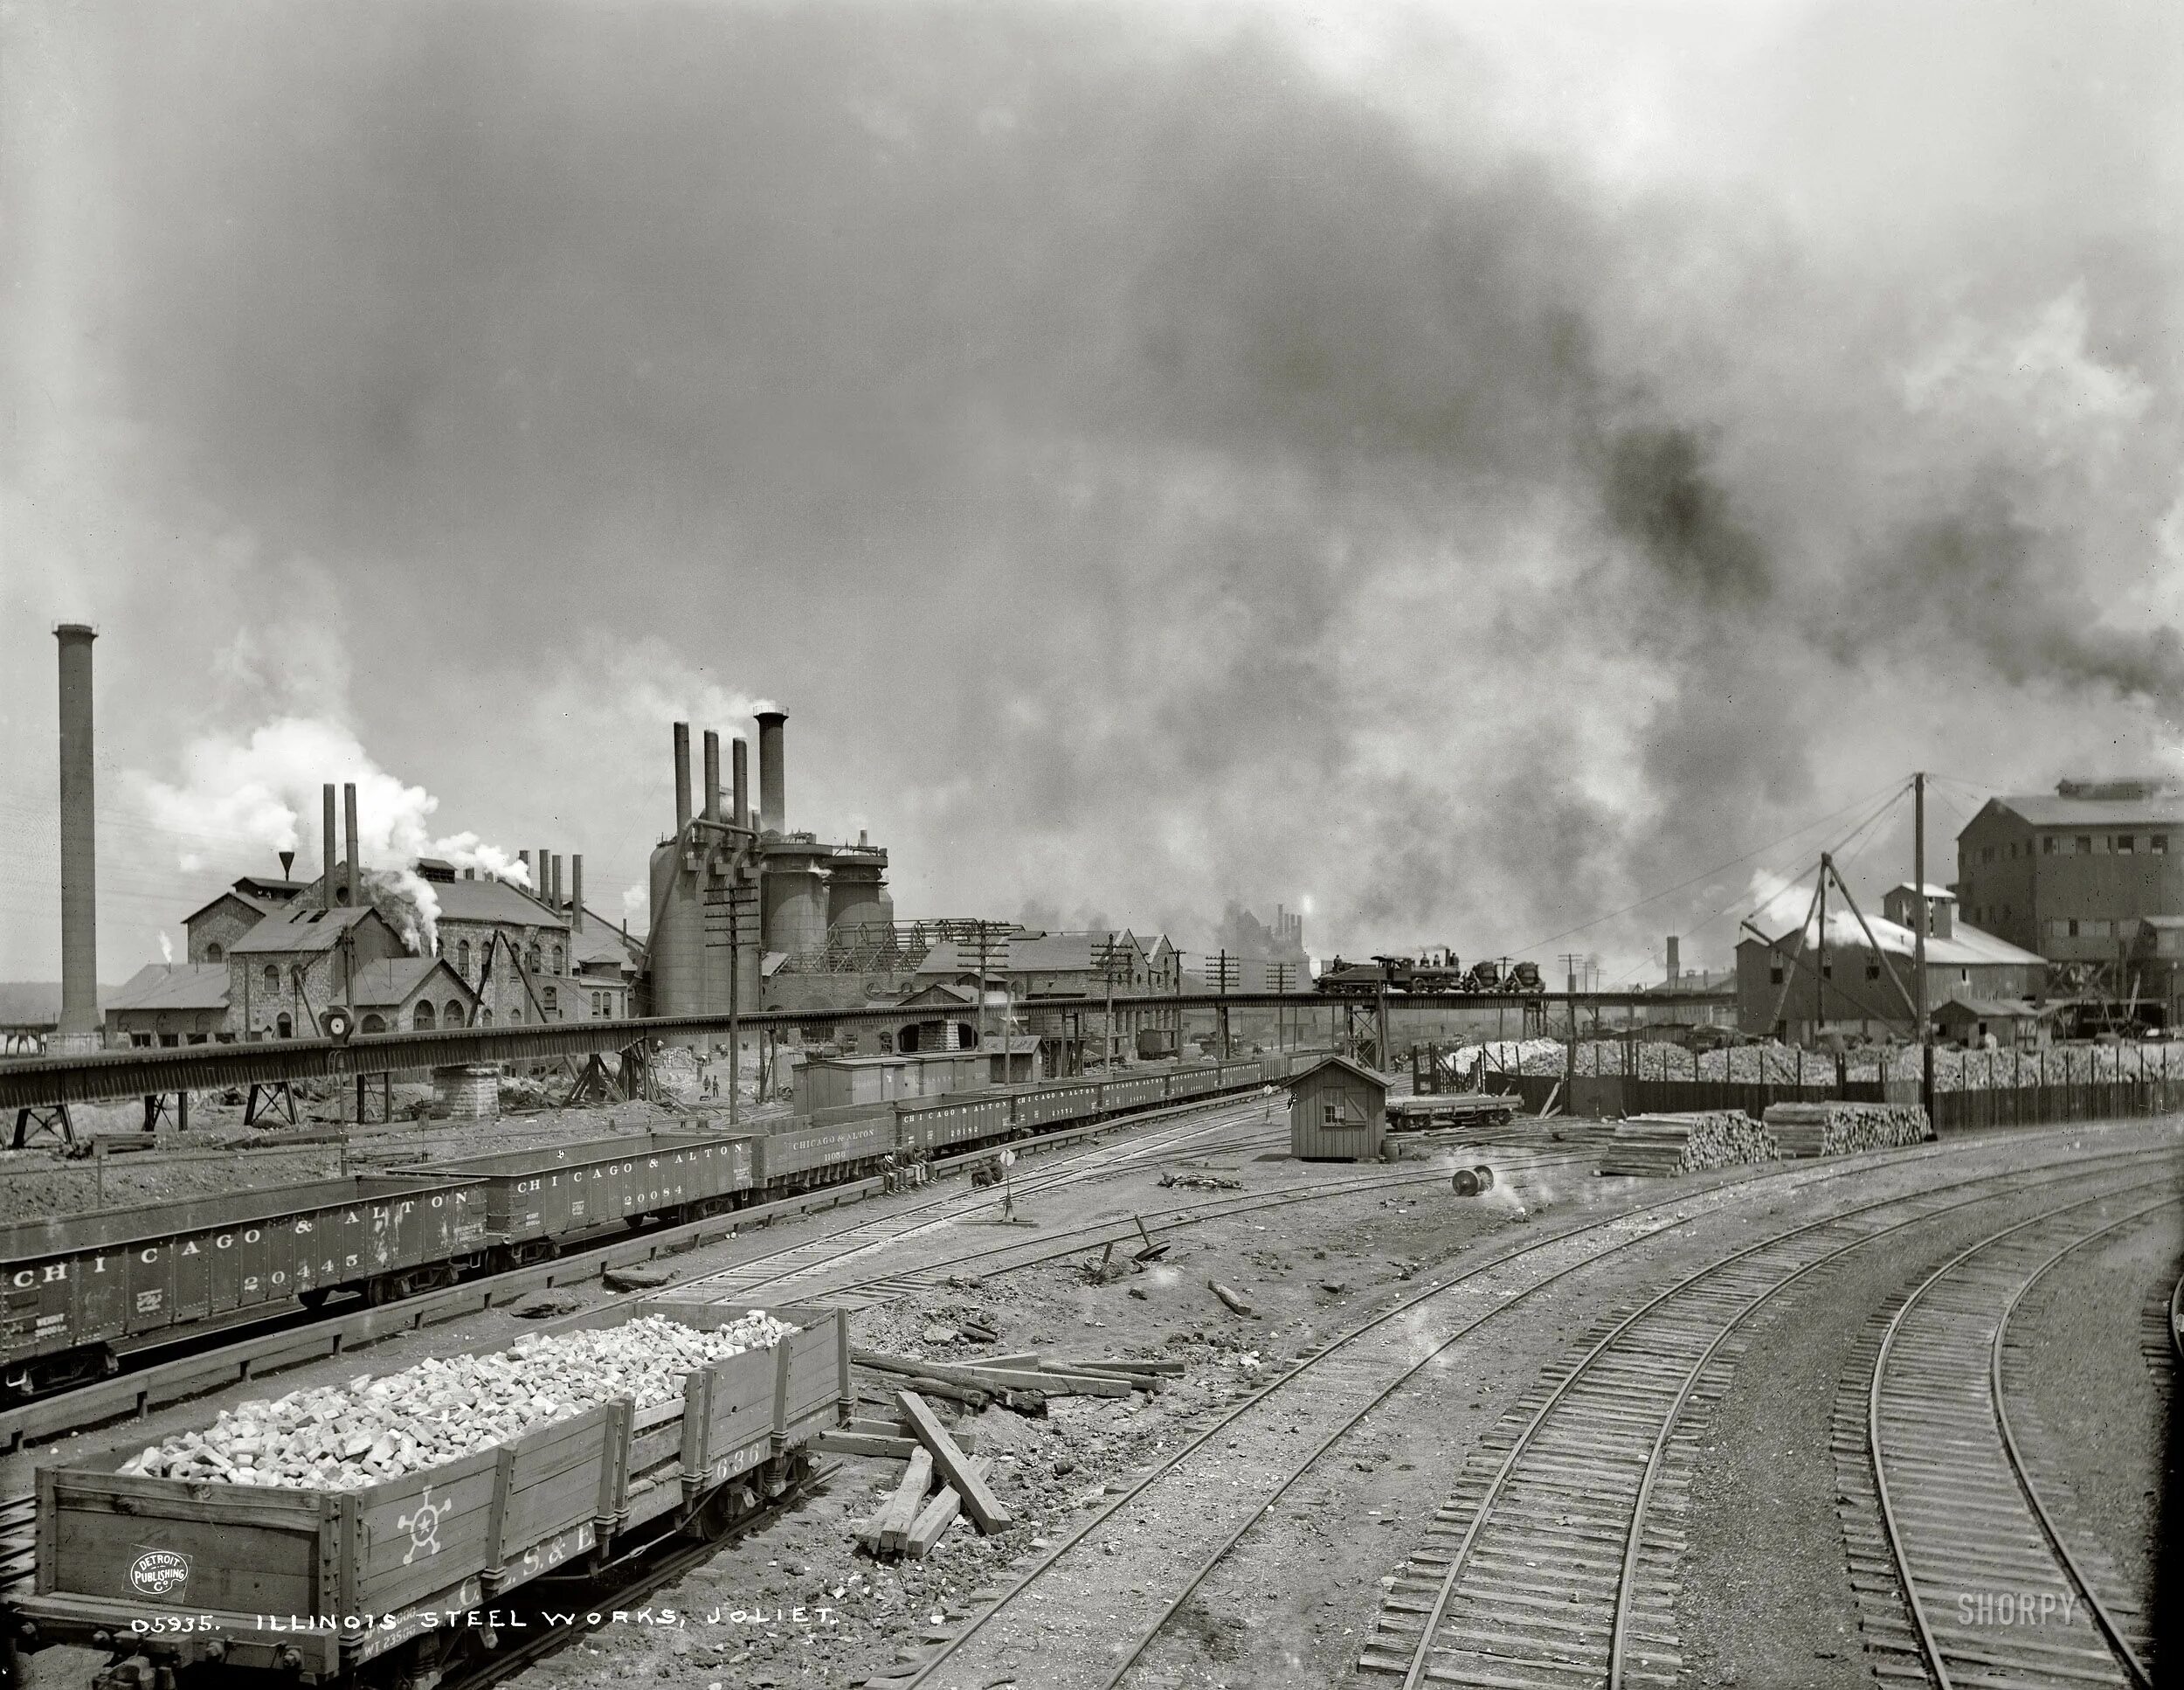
[(411, 994), (287, 971)]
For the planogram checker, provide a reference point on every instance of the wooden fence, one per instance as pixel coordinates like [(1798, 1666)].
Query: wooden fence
[(1980, 1094)]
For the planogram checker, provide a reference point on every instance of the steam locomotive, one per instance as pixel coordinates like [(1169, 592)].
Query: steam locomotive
[(1437, 974)]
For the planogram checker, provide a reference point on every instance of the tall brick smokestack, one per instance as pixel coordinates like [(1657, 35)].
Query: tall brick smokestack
[(772, 775), (556, 892), (348, 840), (79, 1029), (712, 775), (739, 793), (682, 779), (1675, 961), (576, 894), (327, 823)]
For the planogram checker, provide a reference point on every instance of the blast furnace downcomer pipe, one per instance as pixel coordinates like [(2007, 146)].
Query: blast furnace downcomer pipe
[(772, 775), (79, 1027)]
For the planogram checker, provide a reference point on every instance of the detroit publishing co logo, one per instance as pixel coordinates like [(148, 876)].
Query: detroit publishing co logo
[(159, 1572)]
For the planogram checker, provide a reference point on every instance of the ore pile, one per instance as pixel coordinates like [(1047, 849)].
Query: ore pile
[(339, 1437)]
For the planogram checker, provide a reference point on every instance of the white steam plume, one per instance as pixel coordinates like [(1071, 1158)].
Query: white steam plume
[(264, 792)]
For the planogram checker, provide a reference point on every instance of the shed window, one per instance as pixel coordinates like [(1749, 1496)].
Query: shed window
[(2047, 846), (2083, 844), (1331, 1114), (2126, 844), (2159, 844)]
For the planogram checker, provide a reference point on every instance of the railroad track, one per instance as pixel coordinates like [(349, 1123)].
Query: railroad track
[(176, 1372), (1202, 1497), (1970, 1535)]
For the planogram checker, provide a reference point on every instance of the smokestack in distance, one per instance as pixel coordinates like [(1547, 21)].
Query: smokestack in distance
[(712, 775), (79, 1025), (1676, 970), (524, 857), (541, 889), (682, 779), (739, 764), (556, 896), (576, 898), (348, 838), (772, 776), (327, 824)]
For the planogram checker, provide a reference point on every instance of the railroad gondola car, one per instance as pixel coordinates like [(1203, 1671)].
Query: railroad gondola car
[(945, 1124), (81, 1290), (1049, 1106), (384, 1586), (824, 1152), (539, 1201)]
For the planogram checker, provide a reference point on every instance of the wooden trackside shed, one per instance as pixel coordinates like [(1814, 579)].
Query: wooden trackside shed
[(1337, 1111)]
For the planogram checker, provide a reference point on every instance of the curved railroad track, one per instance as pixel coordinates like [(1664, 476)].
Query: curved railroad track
[(1972, 1536), (1202, 1497)]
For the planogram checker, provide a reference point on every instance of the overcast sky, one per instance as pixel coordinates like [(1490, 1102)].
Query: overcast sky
[(1469, 467)]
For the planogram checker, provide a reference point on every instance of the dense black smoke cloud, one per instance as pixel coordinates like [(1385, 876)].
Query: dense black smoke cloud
[(1150, 472)]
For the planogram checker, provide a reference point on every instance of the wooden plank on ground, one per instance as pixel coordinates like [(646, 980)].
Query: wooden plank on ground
[(1127, 1364), (936, 1518), (984, 1507), (901, 1512), (880, 1446)]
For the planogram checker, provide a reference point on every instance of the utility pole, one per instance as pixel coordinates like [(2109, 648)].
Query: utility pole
[(1282, 975), (1225, 968), (1819, 967), (1918, 943), (1110, 956)]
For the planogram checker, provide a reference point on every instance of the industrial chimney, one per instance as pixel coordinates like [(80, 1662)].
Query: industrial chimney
[(327, 825), (739, 763), (524, 857), (1676, 969), (348, 839), (712, 775), (682, 779), (576, 894), (78, 1028), (772, 775), (557, 892)]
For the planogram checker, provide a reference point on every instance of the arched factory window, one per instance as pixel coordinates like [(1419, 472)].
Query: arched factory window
[(271, 977), (558, 965), (213, 952), (421, 1017), (452, 1016), (462, 958), (374, 1024), (284, 1027)]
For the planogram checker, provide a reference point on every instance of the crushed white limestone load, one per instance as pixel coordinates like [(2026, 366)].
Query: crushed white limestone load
[(337, 1438)]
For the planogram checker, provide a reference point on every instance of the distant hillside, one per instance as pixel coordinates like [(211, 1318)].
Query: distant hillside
[(32, 1002)]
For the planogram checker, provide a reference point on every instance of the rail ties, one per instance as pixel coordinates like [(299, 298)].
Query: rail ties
[(1996, 1595)]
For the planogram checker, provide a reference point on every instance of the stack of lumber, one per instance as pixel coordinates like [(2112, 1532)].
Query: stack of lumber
[(1654, 1146), (344, 1437), (1843, 1129), (1023, 1381), (910, 1522)]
